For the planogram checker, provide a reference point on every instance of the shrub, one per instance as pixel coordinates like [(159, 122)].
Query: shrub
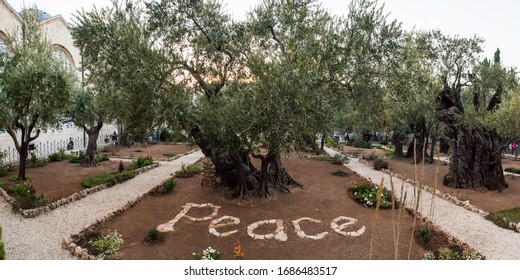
[(339, 159), (35, 162), (3, 170), (25, 196), (169, 185), (101, 158), (362, 144), (2, 246), (340, 173), (390, 154), (142, 162), (370, 157), (380, 164), (188, 171), (170, 154), (108, 245), (366, 193), (426, 236), (153, 235), (331, 142), (207, 254), (108, 178), (165, 135), (513, 170), (54, 157), (79, 158), (505, 218)]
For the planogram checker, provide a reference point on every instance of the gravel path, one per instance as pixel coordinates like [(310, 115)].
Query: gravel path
[(492, 241), (40, 238)]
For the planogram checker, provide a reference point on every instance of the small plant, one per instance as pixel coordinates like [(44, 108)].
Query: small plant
[(380, 164), (170, 154), (340, 173), (2, 246), (331, 142), (79, 158), (513, 170), (370, 157), (153, 235), (390, 154), (362, 144), (121, 166), (366, 193), (188, 171), (237, 252), (142, 162), (426, 236), (35, 162), (446, 253), (55, 157), (25, 196), (207, 254), (505, 218), (339, 159), (169, 185), (429, 255), (101, 158), (108, 245)]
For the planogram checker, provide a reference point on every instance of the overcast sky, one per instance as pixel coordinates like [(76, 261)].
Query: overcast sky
[(495, 21)]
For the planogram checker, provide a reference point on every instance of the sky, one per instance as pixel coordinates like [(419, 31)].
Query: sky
[(494, 21)]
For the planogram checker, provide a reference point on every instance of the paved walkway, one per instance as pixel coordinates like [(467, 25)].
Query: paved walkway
[(492, 241), (40, 237)]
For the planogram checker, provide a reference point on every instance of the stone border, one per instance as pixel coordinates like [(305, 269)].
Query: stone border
[(157, 159), (31, 213), (278, 234), (69, 242), (301, 234)]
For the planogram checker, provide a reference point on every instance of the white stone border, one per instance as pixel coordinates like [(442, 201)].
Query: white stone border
[(157, 159), (215, 224), (350, 221)]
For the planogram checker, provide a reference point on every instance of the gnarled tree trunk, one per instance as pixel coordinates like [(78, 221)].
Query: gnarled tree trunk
[(90, 154), (398, 145), (476, 152)]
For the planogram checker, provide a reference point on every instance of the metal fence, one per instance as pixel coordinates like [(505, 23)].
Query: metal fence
[(44, 149)]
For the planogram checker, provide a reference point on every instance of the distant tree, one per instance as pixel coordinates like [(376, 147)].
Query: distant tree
[(35, 87)]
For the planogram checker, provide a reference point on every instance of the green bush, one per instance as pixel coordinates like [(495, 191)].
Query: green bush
[(426, 235), (188, 171), (380, 164), (366, 193), (370, 157), (513, 170), (101, 158), (331, 142), (35, 162), (3, 170), (169, 185), (79, 158), (2, 246), (165, 135), (25, 196), (142, 162), (108, 245), (339, 159), (390, 154), (108, 178), (362, 144), (54, 157), (505, 217)]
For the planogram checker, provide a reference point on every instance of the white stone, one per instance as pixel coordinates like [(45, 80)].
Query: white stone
[(281, 236)]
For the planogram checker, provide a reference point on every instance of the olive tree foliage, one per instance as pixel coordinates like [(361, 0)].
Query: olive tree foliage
[(471, 90), (411, 96), (124, 74), (34, 86), (368, 48)]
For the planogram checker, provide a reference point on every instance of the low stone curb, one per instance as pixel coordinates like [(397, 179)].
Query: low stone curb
[(31, 213), (69, 242)]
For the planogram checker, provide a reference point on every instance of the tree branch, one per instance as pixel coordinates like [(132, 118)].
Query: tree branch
[(12, 133), (273, 34)]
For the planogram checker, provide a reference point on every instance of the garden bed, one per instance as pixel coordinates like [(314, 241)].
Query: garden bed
[(159, 152), (323, 202), (60, 183)]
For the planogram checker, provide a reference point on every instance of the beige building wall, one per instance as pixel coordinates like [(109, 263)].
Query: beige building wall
[(9, 19)]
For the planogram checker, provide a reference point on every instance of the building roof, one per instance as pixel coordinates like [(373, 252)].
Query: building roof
[(42, 15)]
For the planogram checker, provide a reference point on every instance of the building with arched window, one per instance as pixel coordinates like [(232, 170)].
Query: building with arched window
[(59, 35)]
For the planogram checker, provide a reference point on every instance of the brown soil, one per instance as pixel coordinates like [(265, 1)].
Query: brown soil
[(57, 180), (324, 197), (490, 201), (155, 151)]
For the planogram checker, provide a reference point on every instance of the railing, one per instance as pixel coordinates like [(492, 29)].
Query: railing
[(44, 149)]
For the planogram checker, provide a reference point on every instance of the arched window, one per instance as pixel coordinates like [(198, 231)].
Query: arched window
[(62, 55)]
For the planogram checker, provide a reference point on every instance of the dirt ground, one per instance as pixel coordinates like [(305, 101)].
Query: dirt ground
[(57, 180), (489, 201), (154, 151), (324, 197)]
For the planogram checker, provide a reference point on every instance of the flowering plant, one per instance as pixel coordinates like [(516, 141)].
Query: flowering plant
[(108, 245), (207, 254), (238, 251), (366, 193)]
